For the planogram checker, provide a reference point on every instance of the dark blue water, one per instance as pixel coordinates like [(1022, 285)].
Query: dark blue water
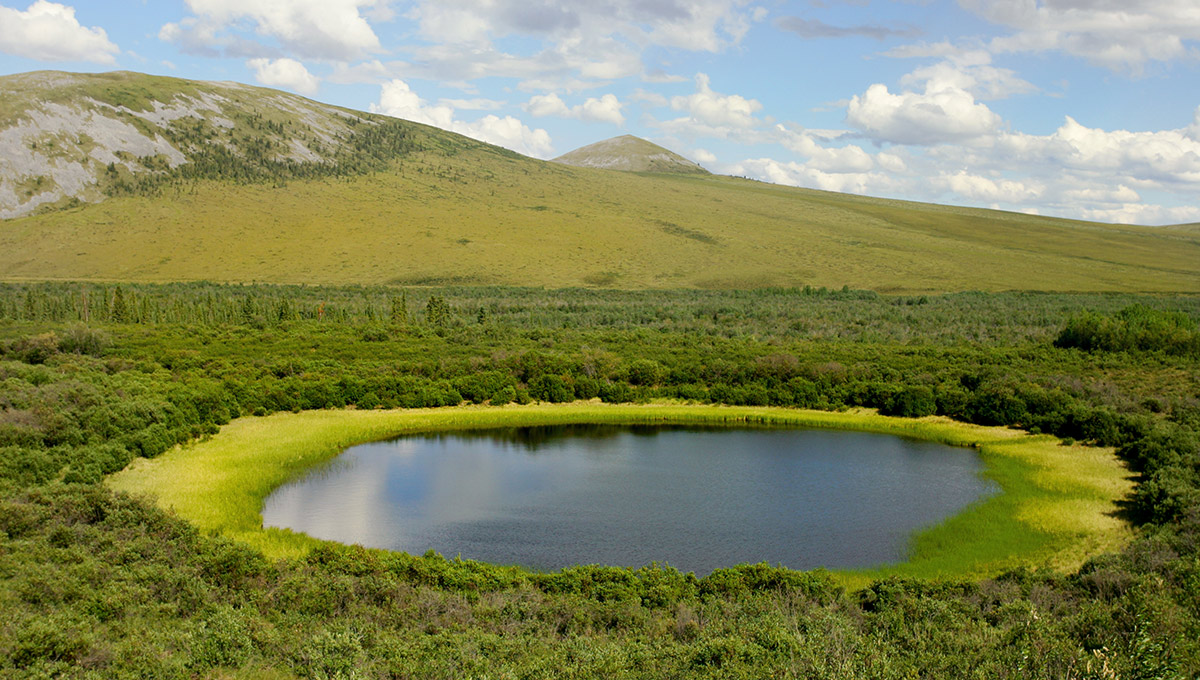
[(695, 498)]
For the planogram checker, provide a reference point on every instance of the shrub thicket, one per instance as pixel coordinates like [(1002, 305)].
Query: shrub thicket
[(101, 585)]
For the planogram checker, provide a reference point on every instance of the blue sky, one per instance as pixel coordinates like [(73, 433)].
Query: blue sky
[(1075, 108)]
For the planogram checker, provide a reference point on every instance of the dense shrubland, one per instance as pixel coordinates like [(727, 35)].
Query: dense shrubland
[(96, 583)]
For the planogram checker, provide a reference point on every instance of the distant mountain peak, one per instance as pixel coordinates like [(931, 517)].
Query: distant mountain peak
[(632, 154)]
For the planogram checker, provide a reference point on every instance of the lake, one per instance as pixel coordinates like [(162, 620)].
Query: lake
[(697, 498)]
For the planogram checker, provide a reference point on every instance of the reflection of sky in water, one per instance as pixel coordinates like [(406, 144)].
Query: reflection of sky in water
[(697, 499)]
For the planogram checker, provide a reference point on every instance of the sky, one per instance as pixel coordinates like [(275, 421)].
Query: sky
[(1074, 108)]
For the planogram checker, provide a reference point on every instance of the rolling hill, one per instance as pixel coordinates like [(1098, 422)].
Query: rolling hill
[(124, 176), (631, 154)]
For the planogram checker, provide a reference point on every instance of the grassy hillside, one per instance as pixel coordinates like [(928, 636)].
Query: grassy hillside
[(423, 206)]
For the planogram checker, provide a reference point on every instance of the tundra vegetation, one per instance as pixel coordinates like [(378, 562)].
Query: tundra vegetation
[(103, 584), (99, 583)]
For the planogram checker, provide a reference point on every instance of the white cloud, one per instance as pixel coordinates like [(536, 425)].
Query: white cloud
[(791, 173), (606, 109), (717, 110), (704, 156), (979, 188), (970, 71), (1117, 34), (285, 72), (707, 25), (571, 66), (940, 103), (541, 105), (317, 29), (1146, 177), (658, 75), (584, 43), (49, 31), (1141, 213), (1121, 194), (845, 159), (891, 163), (509, 133), (935, 116), (398, 99), (1156, 158), (367, 72)]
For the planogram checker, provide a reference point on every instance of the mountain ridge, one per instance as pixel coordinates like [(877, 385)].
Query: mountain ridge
[(630, 154), (236, 183), (68, 138)]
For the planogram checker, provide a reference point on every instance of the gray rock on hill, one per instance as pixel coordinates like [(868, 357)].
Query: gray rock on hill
[(68, 137), (632, 154)]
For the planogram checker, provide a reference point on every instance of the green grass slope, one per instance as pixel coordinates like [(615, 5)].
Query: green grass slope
[(395, 202)]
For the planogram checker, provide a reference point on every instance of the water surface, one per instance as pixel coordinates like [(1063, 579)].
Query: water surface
[(695, 498)]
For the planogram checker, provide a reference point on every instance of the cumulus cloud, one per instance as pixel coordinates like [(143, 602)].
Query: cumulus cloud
[(939, 114), (1142, 177), (540, 106), (1119, 35), (791, 173), (979, 188), (939, 103), (1142, 213), (49, 31), (285, 72), (717, 110), (509, 133), (815, 28), (1154, 158), (845, 159), (970, 71), (605, 109), (399, 100), (317, 29)]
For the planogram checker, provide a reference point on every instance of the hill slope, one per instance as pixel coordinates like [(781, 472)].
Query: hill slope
[(632, 154), (387, 201)]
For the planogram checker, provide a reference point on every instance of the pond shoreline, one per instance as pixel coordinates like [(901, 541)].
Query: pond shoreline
[(1056, 507)]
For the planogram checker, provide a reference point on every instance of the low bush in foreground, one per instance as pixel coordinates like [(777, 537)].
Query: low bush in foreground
[(97, 584)]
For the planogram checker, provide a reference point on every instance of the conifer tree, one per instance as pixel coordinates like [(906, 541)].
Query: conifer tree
[(400, 308), (437, 311), (120, 311)]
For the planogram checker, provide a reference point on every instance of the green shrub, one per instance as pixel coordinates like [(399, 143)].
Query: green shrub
[(505, 395), (551, 388), (911, 402)]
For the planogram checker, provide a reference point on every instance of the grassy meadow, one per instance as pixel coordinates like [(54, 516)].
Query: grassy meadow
[(479, 217)]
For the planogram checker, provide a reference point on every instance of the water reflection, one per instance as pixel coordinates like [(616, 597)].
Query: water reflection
[(697, 498)]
